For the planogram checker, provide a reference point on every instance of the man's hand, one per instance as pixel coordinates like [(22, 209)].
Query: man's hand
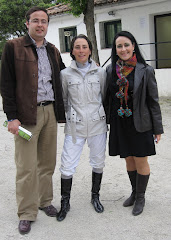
[(13, 126)]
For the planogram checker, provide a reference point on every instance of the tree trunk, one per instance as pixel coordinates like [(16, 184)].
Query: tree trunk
[(89, 22)]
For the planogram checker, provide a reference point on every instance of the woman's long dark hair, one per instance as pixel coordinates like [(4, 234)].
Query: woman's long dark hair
[(114, 56)]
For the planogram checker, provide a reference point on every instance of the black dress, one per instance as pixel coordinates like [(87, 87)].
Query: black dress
[(124, 140)]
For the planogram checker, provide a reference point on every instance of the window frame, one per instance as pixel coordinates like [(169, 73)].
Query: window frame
[(103, 32), (64, 48)]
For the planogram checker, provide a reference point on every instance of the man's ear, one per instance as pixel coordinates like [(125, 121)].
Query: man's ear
[(27, 24)]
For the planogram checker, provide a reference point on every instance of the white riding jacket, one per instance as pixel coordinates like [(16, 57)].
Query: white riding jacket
[(83, 96)]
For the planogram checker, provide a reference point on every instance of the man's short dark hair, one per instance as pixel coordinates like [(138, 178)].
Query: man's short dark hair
[(35, 9)]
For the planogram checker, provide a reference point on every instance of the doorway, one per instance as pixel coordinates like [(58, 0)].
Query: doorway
[(163, 40)]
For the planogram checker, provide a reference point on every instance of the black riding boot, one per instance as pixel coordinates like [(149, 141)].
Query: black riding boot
[(96, 182), (142, 181), (65, 193), (132, 177)]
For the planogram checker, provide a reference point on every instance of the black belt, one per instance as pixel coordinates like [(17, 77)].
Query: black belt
[(44, 103)]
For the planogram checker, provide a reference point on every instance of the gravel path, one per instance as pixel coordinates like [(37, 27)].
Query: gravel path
[(82, 222)]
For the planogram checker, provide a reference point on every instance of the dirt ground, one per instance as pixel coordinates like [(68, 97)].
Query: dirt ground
[(82, 222)]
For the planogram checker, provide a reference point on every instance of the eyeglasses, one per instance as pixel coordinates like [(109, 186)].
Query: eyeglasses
[(37, 21)]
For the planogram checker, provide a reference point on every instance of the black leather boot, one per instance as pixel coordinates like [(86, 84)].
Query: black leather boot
[(96, 182), (65, 193), (130, 201), (142, 181)]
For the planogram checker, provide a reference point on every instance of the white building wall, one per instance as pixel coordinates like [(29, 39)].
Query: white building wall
[(136, 17), (163, 77)]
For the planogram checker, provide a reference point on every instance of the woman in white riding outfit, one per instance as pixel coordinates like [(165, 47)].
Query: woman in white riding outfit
[(83, 86)]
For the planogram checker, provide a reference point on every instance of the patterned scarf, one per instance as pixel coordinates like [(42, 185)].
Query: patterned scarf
[(123, 69)]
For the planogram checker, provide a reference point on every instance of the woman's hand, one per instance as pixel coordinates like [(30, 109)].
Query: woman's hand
[(157, 138)]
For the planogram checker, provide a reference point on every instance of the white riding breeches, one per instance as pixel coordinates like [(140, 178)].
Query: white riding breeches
[(72, 151)]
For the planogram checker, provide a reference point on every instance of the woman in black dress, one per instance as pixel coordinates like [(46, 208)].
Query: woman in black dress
[(134, 114)]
